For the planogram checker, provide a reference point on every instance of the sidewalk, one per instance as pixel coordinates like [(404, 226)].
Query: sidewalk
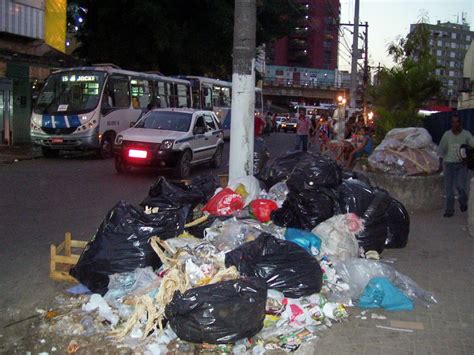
[(13, 154)]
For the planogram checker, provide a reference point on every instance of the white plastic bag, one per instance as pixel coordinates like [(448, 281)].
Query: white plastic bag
[(251, 184), (337, 235), (278, 193)]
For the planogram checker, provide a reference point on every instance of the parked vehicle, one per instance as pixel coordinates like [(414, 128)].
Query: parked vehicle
[(85, 108), (171, 138), (279, 121)]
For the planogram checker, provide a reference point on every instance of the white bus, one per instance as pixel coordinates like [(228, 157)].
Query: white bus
[(86, 107), (216, 95)]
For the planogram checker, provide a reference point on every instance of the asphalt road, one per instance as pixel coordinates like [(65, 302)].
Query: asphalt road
[(42, 199)]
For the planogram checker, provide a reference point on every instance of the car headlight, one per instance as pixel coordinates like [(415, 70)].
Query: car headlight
[(167, 144), (119, 140)]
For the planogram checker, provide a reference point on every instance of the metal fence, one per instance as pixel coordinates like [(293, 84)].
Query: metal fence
[(311, 83)]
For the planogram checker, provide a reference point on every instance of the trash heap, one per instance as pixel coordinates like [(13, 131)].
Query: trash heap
[(258, 265), (406, 151)]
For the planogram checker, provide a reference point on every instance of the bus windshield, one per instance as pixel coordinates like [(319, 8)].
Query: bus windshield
[(168, 121), (70, 93)]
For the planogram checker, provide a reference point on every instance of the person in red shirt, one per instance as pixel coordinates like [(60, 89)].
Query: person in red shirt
[(259, 125)]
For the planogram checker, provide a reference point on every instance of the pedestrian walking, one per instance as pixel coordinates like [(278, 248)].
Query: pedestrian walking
[(268, 124), (455, 173), (302, 132), (259, 125), (313, 132)]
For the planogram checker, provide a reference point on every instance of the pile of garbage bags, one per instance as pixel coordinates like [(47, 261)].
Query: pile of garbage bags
[(406, 151), (256, 265)]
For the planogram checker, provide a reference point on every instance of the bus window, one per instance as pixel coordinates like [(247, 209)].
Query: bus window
[(119, 94), (162, 94), (221, 96), (141, 93), (206, 97), (183, 97)]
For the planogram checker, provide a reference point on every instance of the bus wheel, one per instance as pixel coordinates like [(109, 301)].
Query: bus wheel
[(50, 153), (183, 167), (106, 145), (121, 166)]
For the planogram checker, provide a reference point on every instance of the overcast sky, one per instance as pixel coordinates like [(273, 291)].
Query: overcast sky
[(389, 19)]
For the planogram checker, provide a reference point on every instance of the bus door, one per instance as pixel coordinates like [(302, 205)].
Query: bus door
[(206, 97), (115, 107)]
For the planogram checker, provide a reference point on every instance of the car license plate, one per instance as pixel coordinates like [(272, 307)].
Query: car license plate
[(57, 140)]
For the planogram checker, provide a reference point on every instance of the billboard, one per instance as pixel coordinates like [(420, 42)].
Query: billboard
[(55, 24)]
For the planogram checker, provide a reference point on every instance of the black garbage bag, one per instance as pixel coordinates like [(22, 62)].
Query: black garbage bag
[(358, 175), (261, 156), (375, 233), (163, 192), (284, 265), (398, 225), (206, 184), (121, 244), (198, 230), (219, 313), (306, 209), (314, 171), (354, 196), (279, 168)]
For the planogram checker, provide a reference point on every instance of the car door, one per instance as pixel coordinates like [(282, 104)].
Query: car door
[(212, 134), (200, 140)]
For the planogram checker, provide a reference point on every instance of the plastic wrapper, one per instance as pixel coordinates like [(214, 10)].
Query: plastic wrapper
[(285, 266), (198, 230), (224, 203), (219, 313), (338, 236), (380, 292), (262, 208), (411, 137), (398, 225), (278, 193), (305, 210), (314, 171), (358, 272), (228, 235), (307, 240), (121, 244)]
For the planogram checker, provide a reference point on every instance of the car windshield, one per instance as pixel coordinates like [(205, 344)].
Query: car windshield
[(71, 92), (166, 120)]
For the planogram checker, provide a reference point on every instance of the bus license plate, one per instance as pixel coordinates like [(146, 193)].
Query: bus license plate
[(57, 140)]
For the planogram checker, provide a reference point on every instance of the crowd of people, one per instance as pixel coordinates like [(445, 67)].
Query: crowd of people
[(318, 131)]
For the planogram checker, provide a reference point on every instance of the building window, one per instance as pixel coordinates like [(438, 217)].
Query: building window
[(453, 35), (452, 54), (451, 64), (279, 72), (438, 72), (450, 83), (468, 37), (438, 52), (453, 45), (440, 43), (451, 73)]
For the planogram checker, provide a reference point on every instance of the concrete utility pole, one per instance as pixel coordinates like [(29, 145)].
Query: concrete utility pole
[(366, 71), (243, 90), (355, 57)]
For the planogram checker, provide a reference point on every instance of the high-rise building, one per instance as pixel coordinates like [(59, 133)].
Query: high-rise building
[(314, 42), (449, 44)]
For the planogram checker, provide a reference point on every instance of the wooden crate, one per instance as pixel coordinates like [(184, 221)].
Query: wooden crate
[(63, 259)]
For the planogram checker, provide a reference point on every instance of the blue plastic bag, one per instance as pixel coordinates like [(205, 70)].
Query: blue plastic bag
[(307, 240), (380, 292)]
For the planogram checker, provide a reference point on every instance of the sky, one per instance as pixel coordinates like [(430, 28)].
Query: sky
[(391, 19)]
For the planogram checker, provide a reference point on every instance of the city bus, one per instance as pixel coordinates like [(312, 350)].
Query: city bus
[(86, 107), (216, 95)]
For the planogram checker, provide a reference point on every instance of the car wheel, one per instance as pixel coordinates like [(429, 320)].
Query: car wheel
[(121, 166), (106, 147), (183, 168), (50, 153), (218, 157)]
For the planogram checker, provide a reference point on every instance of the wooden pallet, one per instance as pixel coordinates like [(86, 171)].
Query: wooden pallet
[(63, 259)]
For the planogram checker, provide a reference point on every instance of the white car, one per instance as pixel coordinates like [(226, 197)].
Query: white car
[(171, 138)]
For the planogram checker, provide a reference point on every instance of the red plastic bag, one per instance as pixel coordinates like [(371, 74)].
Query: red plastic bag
[(224, 203), (262, 209)]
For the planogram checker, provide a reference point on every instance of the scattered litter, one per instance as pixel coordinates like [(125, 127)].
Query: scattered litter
[(363, 318), (372, 254), (396, 329), (73, 347), (407, 325), (42, 341), (97, 302), (377, 316), (79, 289), (53, 349)]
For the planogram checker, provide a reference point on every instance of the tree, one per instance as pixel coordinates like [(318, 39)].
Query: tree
[(403, 89), (172, 36)]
